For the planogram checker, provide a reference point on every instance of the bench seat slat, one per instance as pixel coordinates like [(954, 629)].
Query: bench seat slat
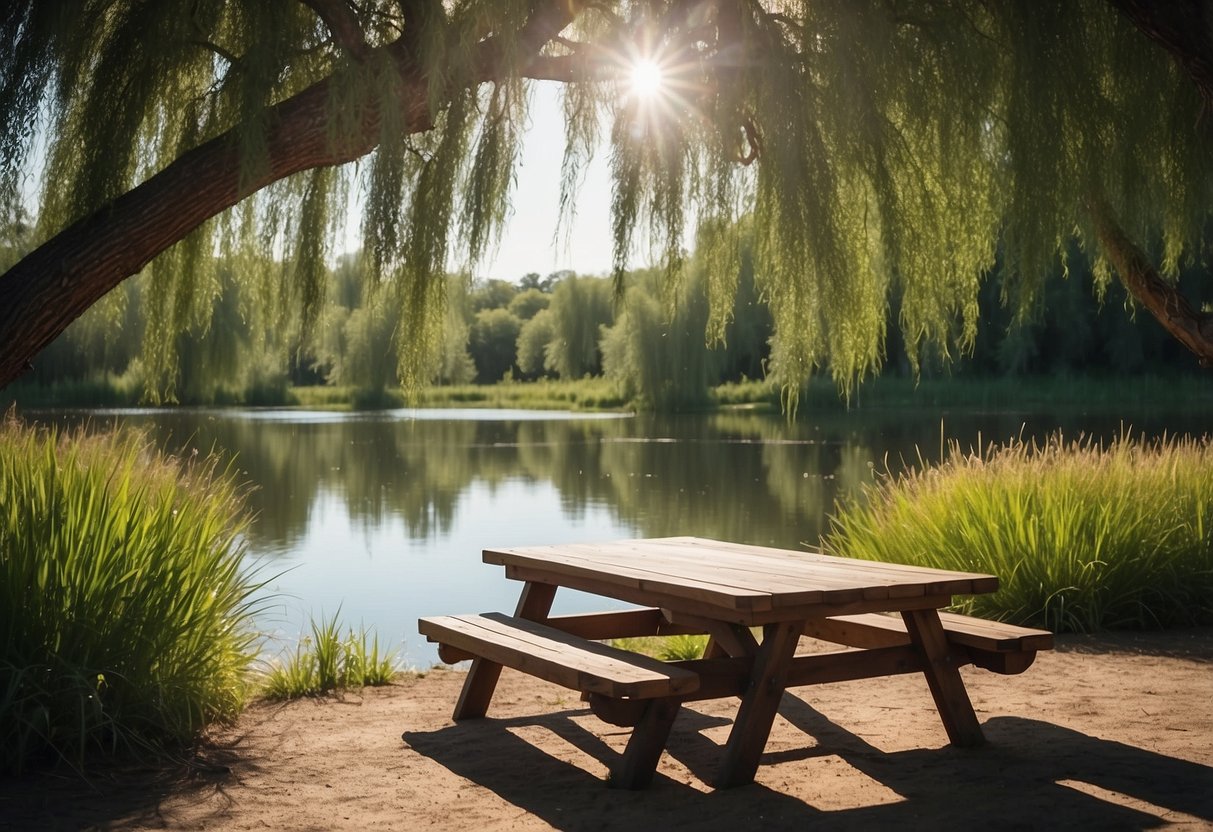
[(559, 657), (978, 633)]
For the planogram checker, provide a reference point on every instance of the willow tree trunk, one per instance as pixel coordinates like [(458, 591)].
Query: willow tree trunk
[(58, 281), (1192, 328), (1184, 28)]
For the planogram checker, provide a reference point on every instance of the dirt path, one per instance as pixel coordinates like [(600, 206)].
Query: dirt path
[(1103, 733)]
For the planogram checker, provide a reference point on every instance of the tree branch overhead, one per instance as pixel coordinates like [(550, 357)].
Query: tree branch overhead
[(878, 159)]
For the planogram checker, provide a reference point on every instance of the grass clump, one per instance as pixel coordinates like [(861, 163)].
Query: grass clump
[(125, 616), (1083, 536), (666, 648), (325, 662)]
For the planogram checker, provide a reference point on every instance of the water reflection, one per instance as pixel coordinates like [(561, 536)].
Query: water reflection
[(385, 515)]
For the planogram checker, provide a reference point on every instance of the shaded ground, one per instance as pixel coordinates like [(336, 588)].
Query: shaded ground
[(1108, 733)]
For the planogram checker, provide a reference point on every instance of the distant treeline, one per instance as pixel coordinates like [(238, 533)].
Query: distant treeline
[(648, 339)]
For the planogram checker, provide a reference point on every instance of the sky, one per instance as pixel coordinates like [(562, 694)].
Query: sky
[(528, 242)]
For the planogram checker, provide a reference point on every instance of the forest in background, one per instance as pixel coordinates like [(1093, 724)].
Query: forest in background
[(648, 340)]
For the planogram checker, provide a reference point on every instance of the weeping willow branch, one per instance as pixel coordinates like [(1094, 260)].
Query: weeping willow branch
[(893, 149), (58, 281)]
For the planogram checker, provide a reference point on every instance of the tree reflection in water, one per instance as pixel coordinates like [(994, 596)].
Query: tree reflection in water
[(385, 514)]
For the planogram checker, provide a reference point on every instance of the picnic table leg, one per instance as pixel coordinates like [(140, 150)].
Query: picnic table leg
[(759, 703), (726, 639), (638, 764), (535, 603), (943, 678)]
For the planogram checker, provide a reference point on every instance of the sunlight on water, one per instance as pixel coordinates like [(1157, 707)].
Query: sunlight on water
[(466, 414)]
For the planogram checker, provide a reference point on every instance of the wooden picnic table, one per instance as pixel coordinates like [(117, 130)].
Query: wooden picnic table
[(727, 590)]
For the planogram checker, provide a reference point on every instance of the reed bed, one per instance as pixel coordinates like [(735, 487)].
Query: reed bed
[(125, 614), (1083, 535), (325, 662)]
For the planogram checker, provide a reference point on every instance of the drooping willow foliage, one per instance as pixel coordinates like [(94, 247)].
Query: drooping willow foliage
[(901, 146)]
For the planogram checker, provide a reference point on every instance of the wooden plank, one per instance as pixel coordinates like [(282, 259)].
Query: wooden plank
[(644, 595), (534, 603), (874, 630), (994, 635), (685, 567), (778, 577), (561, 569), (867, 630), (925, 602), (785, 578), (758, 705), (639, 623), (559, 657), (648, 596), (897, 571), (721, 678), (613, 564), (935, 581), (689, 576), (849, 665), (943, 678)]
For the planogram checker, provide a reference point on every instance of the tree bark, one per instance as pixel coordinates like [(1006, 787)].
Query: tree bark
[(1192, 328), (1184, 28), (58, 281), (53, 285)]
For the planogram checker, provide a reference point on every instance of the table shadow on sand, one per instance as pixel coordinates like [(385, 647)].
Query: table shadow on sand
[(1030, 774)]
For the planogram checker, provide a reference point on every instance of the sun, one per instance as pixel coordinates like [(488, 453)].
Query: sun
[(648, 79)]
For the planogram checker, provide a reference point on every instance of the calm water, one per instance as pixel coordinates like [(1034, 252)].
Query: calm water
[(385, 515)]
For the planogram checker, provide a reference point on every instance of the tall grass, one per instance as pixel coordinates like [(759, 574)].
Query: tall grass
[(124, 612), (1083, 536), (821, 395), (326, 662), (666, 648)]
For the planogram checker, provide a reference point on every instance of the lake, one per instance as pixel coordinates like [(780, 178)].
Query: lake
[(384, 515)]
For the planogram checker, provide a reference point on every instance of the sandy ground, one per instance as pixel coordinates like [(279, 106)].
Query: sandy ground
[(1103, 733)]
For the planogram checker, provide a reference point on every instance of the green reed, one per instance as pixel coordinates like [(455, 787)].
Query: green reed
[(324, 662), (125, 616), (666, 648), (1082, 535)]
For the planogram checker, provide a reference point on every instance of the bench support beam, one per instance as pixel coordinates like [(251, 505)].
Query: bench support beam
[(534, 604)]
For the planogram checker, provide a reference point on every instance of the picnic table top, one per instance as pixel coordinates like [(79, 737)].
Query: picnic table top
[(757, 582)]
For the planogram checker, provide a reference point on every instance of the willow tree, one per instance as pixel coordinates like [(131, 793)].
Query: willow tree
[(891, 145)]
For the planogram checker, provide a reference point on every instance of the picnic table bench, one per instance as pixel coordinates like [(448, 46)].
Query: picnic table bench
[(724, 590)]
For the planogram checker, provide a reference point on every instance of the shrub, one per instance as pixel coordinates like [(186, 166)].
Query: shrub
[(124, 611), (1082, 536)]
